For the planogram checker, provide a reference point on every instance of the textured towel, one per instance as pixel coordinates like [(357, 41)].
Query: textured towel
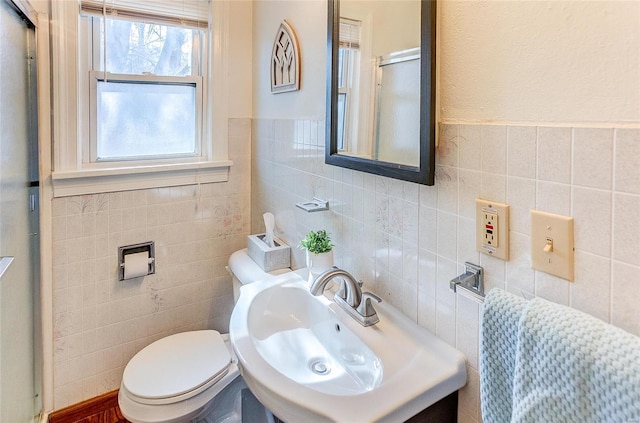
[(562, 365), (572, 367), (498, 341)]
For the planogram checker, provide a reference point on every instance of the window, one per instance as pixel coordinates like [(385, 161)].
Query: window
[(146, 102), (148, 108), (348, 80), (141, 119)]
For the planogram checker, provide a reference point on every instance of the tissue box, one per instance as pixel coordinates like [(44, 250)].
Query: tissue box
[(269, 258)]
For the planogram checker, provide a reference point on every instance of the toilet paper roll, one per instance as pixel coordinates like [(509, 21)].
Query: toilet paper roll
[(136, 265)]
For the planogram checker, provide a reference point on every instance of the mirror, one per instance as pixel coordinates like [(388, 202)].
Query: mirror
[(381, 87)]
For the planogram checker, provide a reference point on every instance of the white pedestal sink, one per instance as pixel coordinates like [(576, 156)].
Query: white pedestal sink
[(307, 360)]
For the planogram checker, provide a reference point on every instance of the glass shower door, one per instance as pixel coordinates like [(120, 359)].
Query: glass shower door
[(19, 284)]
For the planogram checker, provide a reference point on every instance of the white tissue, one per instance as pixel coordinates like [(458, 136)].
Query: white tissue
[(269, 224), (136, 264)]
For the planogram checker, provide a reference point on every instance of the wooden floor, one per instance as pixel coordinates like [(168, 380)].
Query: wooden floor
[(102, 409), (112, 415)]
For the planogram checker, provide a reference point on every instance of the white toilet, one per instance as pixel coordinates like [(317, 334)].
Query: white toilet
[(191, 376)]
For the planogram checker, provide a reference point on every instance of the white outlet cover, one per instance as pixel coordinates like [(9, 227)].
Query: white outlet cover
[(501, 248), (558, 231)]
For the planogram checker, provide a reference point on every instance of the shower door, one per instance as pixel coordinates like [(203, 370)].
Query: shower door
[(19, 252)]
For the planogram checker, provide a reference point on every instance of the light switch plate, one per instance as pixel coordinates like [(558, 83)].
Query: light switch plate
[(555, 232), (492, 228)]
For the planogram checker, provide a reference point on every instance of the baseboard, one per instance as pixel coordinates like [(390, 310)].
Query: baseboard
[(84, 409)]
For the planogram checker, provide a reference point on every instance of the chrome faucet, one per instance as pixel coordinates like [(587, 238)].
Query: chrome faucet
[(349, 290), (349, 296)]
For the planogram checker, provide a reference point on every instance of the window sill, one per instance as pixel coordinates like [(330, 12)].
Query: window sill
[(94, 181)]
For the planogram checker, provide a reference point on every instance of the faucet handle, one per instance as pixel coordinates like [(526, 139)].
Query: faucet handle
[(371, 296), (342, 289), (366, 308)]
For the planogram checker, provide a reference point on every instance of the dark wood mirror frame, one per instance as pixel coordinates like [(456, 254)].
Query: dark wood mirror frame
[(424, 173)]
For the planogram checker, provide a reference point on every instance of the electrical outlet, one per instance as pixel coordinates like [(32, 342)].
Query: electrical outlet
[(492, 228)]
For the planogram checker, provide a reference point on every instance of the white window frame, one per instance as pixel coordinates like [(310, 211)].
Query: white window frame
[(74, 172), (89, 52)]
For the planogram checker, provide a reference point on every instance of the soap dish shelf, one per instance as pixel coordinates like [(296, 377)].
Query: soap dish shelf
[(314, 205)]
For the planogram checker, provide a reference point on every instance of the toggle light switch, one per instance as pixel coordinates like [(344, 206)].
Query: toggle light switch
[(552, 244)]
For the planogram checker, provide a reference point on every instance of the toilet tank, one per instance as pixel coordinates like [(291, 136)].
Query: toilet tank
[(244, 270)]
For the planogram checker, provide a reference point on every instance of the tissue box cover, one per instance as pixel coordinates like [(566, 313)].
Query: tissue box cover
[(269, 258)]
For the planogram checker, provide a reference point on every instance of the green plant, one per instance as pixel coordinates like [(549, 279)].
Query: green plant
[(317, 242)]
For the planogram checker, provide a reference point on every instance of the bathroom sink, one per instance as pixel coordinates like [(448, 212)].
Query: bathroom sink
[(307, 360), (303, 339)]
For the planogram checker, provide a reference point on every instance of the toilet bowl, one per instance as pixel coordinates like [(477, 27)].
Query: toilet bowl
[(190, 376)]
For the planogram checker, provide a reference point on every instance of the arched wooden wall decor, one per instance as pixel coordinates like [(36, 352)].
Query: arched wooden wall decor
[(285, 61)]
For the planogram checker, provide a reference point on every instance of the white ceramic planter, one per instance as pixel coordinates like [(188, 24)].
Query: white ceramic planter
[(318, 263)]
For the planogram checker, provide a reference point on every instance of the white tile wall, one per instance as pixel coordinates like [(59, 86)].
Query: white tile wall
[(407, 241), (554, 154), (99, 322), (627, 161)]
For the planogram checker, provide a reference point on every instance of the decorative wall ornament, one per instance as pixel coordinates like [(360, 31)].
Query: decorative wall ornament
[(285, 61)]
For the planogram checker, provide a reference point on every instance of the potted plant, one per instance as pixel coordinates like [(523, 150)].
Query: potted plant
[(319, 252)]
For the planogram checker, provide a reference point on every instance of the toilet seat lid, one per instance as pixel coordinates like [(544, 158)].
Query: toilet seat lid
[(176, 365)]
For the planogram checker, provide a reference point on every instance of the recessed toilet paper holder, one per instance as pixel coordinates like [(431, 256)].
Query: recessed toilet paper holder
[(148, 247)]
